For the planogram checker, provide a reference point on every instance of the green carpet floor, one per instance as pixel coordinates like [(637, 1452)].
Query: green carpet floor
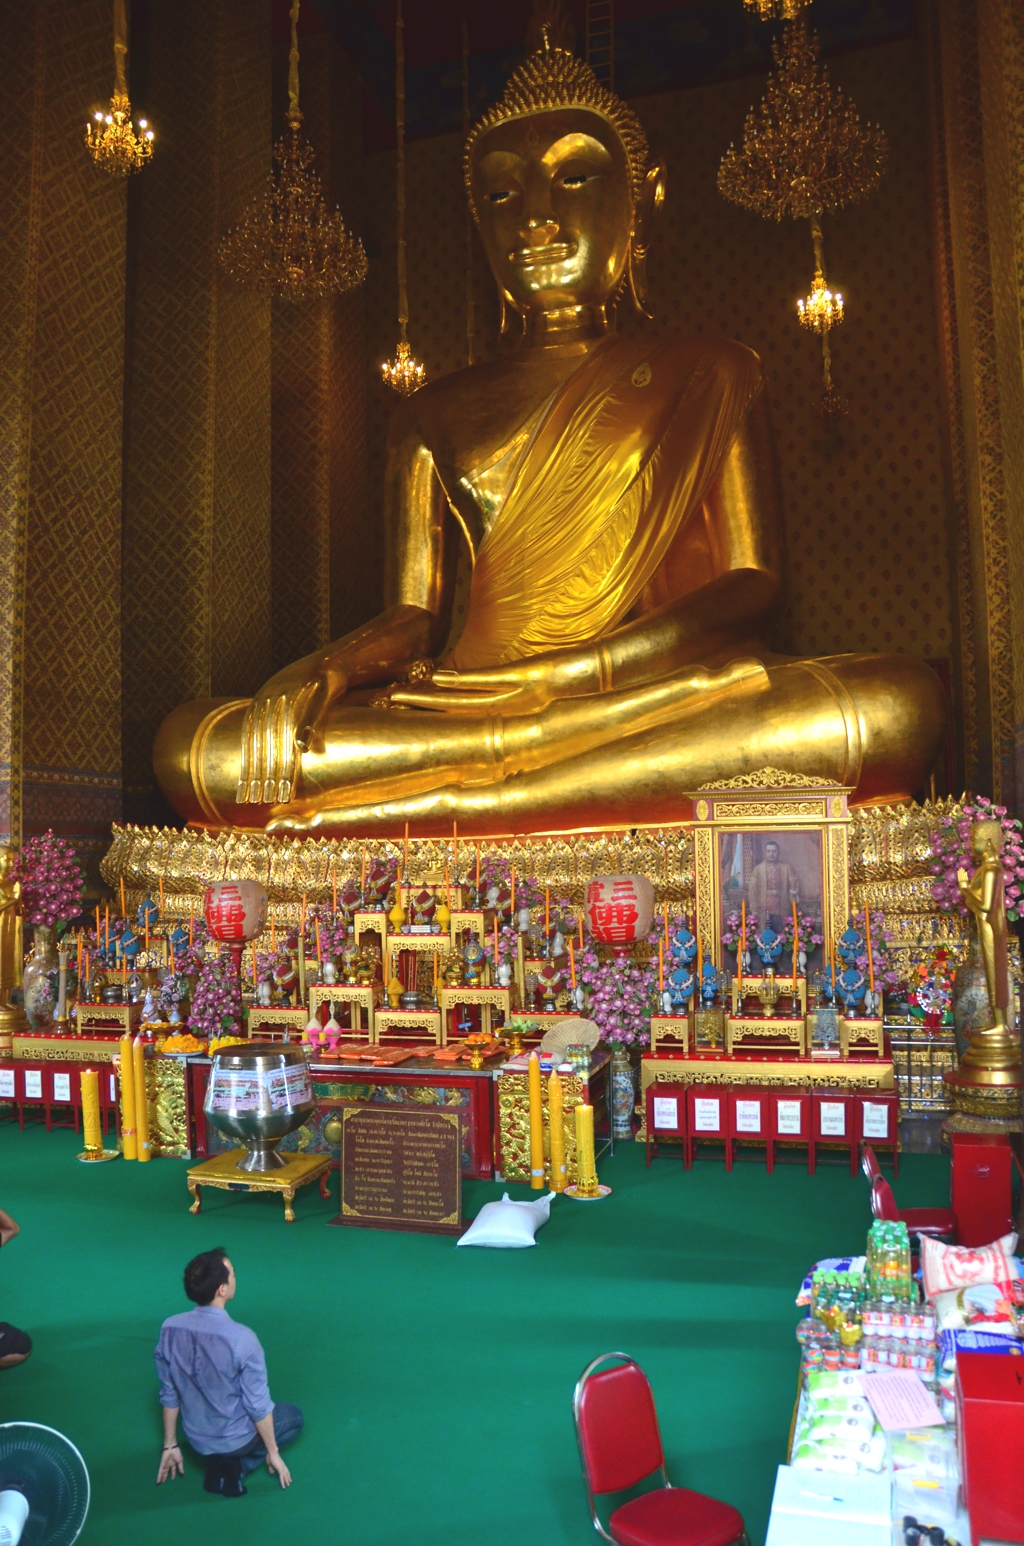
[(436, 1382)]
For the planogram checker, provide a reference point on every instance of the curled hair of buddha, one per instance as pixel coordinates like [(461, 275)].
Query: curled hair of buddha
[(552, 78)]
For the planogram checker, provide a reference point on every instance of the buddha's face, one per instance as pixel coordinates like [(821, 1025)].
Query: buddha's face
[(553, 196)]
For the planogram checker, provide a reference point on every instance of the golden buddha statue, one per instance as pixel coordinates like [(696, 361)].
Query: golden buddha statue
[(993, 1059), (12, 945), (619, 501)]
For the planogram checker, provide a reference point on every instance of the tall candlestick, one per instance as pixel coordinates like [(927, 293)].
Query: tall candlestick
[(478, 866), (124, 910), (521, 970), (319, 947), (743, 940), (513, 894), (405, 857), (536, 1125), (334, 887), (796, 941), (665, 910), (871, 957), (62, 986), (495, 947), (99, 931), (580, 921), (556, 1136), (78, 966), (572, 961), (191, 921), (129, 1133), (455, 849), (91, 1129), (106, 921), (141, 1099), (302, 952), (700, 964), (547, 911), (586, 1168), (146, 931), (88, 967), (661, 966)]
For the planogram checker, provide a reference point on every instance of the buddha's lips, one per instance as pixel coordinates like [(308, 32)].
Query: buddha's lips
[(552, 252)]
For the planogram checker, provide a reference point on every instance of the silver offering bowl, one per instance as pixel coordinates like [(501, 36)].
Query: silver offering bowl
[(257, 1094)]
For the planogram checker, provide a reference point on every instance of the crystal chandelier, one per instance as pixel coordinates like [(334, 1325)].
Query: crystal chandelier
[(403, 374), (805, 151), (289, 242), (111, 139), (776, 10)]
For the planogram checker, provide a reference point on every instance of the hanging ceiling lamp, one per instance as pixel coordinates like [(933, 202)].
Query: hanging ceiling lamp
[(805, 152), (403, 373), (111, 139), (290, 242), (776, 10)]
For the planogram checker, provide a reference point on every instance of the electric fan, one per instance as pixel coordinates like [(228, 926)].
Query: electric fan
[(44, 1487)]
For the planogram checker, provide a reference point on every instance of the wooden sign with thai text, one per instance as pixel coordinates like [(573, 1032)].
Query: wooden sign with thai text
[(401, 1169)]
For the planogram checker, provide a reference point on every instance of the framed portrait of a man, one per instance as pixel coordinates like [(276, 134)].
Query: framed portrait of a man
[(770, 870), (771, 845)]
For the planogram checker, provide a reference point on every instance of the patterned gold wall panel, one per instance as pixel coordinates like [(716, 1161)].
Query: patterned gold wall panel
[(985, 494), (22, 103), (319, 377), (1001, 61), (63, 257), (197, 452), (867, 518)]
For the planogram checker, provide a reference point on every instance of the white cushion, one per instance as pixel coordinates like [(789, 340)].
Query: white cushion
[(507, 1224)]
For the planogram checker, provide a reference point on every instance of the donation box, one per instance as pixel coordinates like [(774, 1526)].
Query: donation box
[(981, 1193), (990, 1437)]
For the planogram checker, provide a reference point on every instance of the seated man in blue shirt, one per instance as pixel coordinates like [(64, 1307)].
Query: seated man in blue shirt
[(213, 1371)]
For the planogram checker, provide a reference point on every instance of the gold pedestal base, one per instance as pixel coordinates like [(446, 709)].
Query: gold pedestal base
[(977, 1106)]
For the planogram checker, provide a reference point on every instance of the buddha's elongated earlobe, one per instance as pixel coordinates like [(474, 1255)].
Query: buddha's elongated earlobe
[(649, 204), (508, 310)]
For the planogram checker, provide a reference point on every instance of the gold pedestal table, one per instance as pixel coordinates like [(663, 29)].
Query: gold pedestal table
[(222, 1172)]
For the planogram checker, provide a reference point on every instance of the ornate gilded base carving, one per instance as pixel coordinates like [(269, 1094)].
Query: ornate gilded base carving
[(971, 1098)]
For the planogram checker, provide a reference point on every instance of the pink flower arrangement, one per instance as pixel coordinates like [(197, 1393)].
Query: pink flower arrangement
[(731, 932), (621, 995), (51, 880), (216, 1002), (951, 847), (810, 931), (886, 977)]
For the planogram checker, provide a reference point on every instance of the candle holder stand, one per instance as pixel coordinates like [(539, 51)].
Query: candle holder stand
[(97, 1156)]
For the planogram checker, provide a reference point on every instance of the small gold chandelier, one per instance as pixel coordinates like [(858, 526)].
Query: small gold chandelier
[(289, 242), (111, 139), (805, 151), (403, 374)]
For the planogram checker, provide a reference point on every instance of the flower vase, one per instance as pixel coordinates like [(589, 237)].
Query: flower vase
[(623, 1092), (40, 977)]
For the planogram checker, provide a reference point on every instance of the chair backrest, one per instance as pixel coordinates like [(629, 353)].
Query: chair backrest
[(869, 1162), (616, 1425), (883, 1203)]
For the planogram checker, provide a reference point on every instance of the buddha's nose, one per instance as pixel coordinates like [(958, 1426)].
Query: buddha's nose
[(539, 231)]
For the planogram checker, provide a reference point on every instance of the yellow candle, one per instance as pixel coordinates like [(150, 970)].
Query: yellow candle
[(557, 1134), (871, 958), (191, 920), (572, 961), (536, 1125), (79, 966), (700, 961), (478, 866), (147, 931), (743, 933), (796, 939), (586, 1168), (334, 887), (547, 911), (661, 966), (666, 925), (455, 846), (91, 1129), (129, 1138), (513, 893), (141, 1102), (495, 978), (405, 860), (319, 947), (99, 934), (107, 926)]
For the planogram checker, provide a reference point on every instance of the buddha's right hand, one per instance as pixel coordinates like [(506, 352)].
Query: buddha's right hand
[(282, 722)]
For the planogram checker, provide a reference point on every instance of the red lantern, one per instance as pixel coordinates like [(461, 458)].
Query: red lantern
[(619, 908), (236, 911)]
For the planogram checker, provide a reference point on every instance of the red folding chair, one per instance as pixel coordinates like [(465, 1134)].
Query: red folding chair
[(869, 1162), (876, 1120), (620, 1446), (934, 1222)]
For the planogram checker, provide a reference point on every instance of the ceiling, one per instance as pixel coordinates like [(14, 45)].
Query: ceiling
[(660, 45)]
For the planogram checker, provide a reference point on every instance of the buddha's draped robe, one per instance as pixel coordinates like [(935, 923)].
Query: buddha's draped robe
[(583, 529)]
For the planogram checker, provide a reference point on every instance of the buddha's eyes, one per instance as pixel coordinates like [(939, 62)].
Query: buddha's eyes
[(574, 180), (500, 195)]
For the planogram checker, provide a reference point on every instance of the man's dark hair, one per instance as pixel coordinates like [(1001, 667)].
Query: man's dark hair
[(205, 1274)]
